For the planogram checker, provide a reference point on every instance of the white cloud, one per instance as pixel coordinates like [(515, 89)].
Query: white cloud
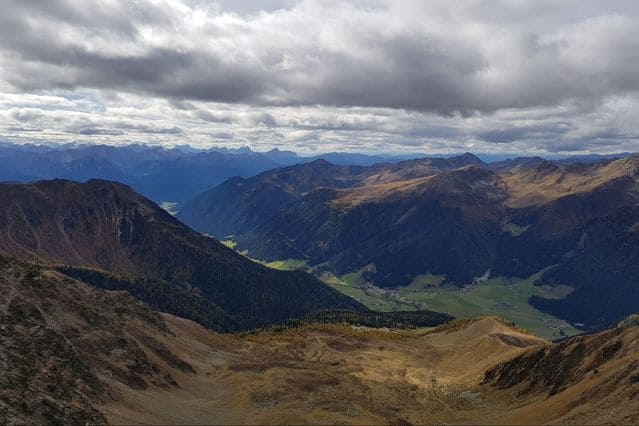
[(376, 75)]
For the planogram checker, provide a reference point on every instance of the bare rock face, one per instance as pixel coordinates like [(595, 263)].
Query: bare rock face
[(554, 368), (60, 340)]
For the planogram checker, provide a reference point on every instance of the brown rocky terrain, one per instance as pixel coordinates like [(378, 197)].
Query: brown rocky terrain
[(584, 380), (63, 343), (335, 374), (74, 354)]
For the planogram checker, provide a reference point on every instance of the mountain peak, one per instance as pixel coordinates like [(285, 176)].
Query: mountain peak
[(465, 159), (628, 165), (320, 162)]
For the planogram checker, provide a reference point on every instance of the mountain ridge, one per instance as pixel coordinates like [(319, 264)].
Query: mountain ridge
[(105, 225)]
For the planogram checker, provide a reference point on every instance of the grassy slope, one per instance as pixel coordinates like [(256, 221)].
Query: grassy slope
[(498, 296), (333, 374), (505, 298), (286, 265)]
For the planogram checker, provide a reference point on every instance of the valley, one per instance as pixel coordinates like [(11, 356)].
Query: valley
[(552, 236), (496, 296), (334, 374), (106, 234)]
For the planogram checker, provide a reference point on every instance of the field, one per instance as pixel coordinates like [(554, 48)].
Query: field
[(498, 296), (506, 298), (374, 299), (229, 243), (501, 297)]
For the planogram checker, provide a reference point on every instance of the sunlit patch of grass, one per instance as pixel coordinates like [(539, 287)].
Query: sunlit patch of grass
[(513, 229), (630, 321), (282, 265), (171, 208), (357, 278), (229, 243), (506, 298), (459, 324), (499, 296), (354, 285), (287, 264)]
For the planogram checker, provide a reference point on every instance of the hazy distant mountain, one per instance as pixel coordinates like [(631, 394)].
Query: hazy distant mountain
[(593, 158), (284, 158), (458, 217), (161, 174), (178, 174), (158, 173), (289, 158)]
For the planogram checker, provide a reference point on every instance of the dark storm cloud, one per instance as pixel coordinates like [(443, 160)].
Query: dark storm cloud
[(140, 129), (368, 75), (100, 132), (385, 54), (539, 131), (59, 44)]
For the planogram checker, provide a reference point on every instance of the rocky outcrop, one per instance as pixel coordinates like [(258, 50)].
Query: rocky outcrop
[(62, 342), (554, 368)]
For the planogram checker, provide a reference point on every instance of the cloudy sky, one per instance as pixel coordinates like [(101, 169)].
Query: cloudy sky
[(501, 76)]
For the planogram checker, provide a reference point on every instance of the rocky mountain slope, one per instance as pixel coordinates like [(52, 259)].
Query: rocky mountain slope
[(238, 205), (586, 380), (110, 229), (62, 343), (76, 354)]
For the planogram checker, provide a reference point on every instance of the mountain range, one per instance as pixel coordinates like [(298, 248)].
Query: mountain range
[(114, 311), (161, 174), (172, 175), (574, 223)]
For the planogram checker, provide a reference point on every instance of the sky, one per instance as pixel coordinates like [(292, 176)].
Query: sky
[(378, 76)]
